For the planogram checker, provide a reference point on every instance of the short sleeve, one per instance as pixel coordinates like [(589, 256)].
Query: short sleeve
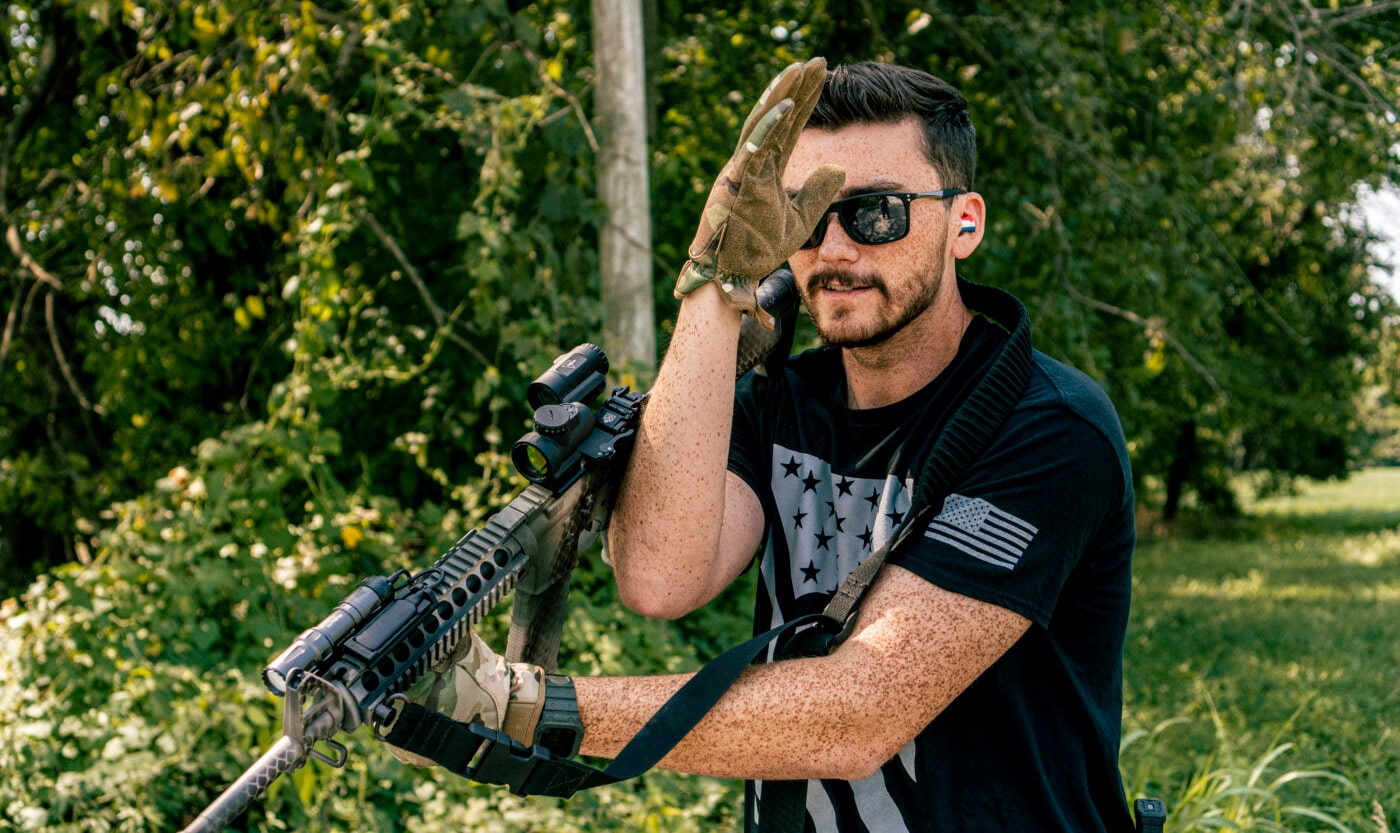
[(748, 450), (1021, 522)]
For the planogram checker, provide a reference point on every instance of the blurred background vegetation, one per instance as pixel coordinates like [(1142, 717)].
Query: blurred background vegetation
[(275, 275)]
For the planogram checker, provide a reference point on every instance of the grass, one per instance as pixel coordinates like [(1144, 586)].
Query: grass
[(1271, 643)]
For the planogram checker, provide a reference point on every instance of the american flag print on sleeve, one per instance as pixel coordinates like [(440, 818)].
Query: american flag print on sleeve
[(977, 528)]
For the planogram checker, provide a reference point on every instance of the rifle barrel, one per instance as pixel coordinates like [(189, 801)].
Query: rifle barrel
[(285, 755), (533, 541)]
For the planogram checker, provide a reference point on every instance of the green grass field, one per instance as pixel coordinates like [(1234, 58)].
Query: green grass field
[(1280, 628)]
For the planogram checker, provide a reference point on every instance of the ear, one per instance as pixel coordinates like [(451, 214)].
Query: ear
[(970, 223)]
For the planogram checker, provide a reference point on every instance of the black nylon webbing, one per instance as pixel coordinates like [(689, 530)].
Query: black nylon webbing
[(536, 771), (782, 808)]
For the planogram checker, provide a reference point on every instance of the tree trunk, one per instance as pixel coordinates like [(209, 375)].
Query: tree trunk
[(1180, 471), (624, 247)]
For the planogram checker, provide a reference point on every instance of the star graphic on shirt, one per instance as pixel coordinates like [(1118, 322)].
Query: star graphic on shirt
[(797, 520), (791, 467), (844, 484), (809, 573), (895, 517), (809, 483), (873, 498), (867, 537), (823, 540)]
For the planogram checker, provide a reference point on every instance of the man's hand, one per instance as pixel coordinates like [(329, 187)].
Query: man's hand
[(750, 224), (474, 684)]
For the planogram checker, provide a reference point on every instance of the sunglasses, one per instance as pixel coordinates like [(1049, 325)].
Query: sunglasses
[(872, 219)]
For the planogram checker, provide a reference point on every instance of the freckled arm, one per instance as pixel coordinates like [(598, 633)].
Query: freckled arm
[(683, 527), (914, 649)]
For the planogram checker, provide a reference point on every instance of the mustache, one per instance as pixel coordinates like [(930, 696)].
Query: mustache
[(842, 280)]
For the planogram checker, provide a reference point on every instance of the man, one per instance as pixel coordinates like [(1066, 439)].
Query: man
[(980, 685)]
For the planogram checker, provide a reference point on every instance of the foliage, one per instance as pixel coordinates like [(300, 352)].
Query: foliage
[(226, 205), (130, 696), (197, 197), (1168, 186), (1232, 793), (286, 193), (1380, 409)]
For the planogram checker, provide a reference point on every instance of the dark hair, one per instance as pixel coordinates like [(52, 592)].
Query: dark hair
[(873, 93)]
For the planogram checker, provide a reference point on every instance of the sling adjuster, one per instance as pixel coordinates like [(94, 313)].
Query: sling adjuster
[(526, 770)]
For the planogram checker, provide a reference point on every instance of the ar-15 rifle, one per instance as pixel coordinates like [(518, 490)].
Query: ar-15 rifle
[(348, 670)]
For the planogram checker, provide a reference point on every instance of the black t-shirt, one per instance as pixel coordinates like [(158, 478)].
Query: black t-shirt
[(1041, 525)]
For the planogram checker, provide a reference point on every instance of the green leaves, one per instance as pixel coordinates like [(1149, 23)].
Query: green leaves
[(302, 275), (259, 210)]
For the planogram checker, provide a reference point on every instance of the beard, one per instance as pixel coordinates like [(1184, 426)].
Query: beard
[(899, 302), (865, 327)]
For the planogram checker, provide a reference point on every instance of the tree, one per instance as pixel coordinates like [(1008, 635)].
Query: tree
[(1167, 185), (216, 211), (371, 226), (624, 247)]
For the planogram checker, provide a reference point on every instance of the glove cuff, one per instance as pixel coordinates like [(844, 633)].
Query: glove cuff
[(692, 277), (740, 293), (525, 703), (550, 719)]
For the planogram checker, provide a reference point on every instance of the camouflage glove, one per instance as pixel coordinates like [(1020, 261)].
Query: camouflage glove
[(750, 225), (474, 684)]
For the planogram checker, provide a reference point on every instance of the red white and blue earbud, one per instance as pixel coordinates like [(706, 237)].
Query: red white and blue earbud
[(968, 225)]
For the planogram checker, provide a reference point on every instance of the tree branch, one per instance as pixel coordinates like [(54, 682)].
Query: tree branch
[(11, 321), (440, 318), (63, 364), (569, 98), (1150, 326), (409, 269), (28, 263)]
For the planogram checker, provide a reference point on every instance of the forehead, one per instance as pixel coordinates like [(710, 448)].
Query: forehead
[(891, 154)]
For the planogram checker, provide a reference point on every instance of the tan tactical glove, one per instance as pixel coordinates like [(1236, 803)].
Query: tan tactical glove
[(474, 684), (750, 225)]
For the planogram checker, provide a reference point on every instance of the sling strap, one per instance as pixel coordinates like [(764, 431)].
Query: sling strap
[(959, 443), (492, 757), (782, 808)]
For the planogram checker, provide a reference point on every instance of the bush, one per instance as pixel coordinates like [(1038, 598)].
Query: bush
[(129, 687)]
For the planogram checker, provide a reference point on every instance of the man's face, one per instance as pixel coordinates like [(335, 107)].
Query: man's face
[(858, 295)]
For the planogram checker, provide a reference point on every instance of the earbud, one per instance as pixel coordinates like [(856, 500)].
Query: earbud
[(968, 225)]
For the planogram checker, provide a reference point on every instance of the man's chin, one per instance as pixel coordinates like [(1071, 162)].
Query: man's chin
[(851, 333)]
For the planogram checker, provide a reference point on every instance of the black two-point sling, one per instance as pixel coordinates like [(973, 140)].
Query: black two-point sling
[(538, 771)]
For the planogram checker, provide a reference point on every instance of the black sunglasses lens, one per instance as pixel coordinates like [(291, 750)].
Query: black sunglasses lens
[(869, 219), (875, 219)]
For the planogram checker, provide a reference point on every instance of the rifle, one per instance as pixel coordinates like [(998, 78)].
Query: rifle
[(352, 668)]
